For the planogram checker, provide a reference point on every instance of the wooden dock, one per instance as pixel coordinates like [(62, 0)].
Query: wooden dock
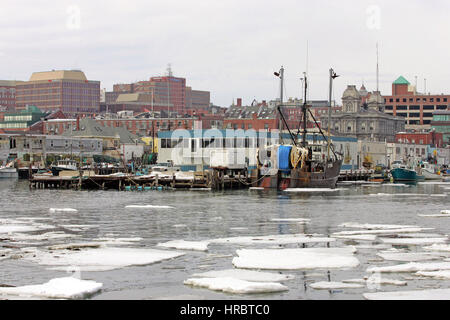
[(210, 179)]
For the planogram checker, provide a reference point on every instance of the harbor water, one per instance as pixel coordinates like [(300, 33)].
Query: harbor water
[(196, 215)]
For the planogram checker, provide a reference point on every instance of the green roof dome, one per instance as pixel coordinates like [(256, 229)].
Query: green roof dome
[(401, 80)]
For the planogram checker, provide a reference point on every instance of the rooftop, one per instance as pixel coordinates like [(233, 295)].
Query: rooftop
[(58, 75), (401, 80)]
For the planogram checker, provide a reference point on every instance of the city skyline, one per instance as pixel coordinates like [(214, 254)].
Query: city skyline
[(231, 49)]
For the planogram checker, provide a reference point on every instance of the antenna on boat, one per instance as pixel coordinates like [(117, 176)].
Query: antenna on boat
[(304, 111), (333, 75), (280, 75)]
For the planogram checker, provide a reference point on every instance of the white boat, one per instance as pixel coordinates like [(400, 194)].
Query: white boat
[(64, 165), (429, 171), (8, 171)]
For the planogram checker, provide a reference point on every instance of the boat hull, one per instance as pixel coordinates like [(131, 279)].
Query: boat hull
[(431, 176), (402, 174), (10, 173), (299, 178), (56, 170)]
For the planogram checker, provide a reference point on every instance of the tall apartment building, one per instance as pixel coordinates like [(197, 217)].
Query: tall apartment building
[(8, 95), (67, 90), (416, 108)]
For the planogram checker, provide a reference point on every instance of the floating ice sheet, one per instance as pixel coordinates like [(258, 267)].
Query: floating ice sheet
[(100, 259), (43, 236), (118, 241), (364, 237), (412, 267), (58, 288), (247, 275), (376, 280), (62, 210), (17, 228), (185, 245), (231, 285), (379, 231), (291, 259), (274, 239), (442, 214), (413, 241), (438, 247), (431, 294), (334, 285), (147, 206), (369, 226), (290, 220), (312, 190), (443, 274), (408, 256), (434, 182)]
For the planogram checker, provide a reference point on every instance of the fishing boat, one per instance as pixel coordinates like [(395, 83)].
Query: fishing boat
[(8, 171), (64, 165), (298, 164), (405, 174), (429, 171)]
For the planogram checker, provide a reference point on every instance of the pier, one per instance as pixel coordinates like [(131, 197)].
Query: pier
[(211, 179)]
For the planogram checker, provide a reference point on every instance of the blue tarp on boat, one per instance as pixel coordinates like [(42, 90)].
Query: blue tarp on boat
[(284, 153)]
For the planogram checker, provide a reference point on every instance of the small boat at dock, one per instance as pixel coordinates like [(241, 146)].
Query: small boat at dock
[(405, 174)]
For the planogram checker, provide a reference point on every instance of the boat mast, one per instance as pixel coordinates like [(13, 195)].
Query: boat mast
[(304, 113), (332, 76), (280, 75)]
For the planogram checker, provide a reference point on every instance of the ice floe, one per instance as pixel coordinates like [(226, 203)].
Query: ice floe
[(62, 210), (408, 256), (379, 231), (364, 237), (334, 285), (16, 228), (58, 288), (442, 214), (311, 190), (100, 259), (247, 275), (185, 245), (117, 241), (376, 280), (434, 182), (298, 220), (438, 247), (413, 241), (147, 206), (231, 285), (430, 294), (369, 226), (442, 274), (412, 267), (291, 259), (42, 237), (273, 239)]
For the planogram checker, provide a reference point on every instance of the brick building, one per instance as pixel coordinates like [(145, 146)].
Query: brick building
[(441, 123), (8, 95), (167, 92), (432, 138), (67, 90), (416, 108)]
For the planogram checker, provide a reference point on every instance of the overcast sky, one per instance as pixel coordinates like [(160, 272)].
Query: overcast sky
[(231, 47)]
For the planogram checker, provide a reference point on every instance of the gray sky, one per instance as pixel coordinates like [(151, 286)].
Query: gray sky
[(231, 48)]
